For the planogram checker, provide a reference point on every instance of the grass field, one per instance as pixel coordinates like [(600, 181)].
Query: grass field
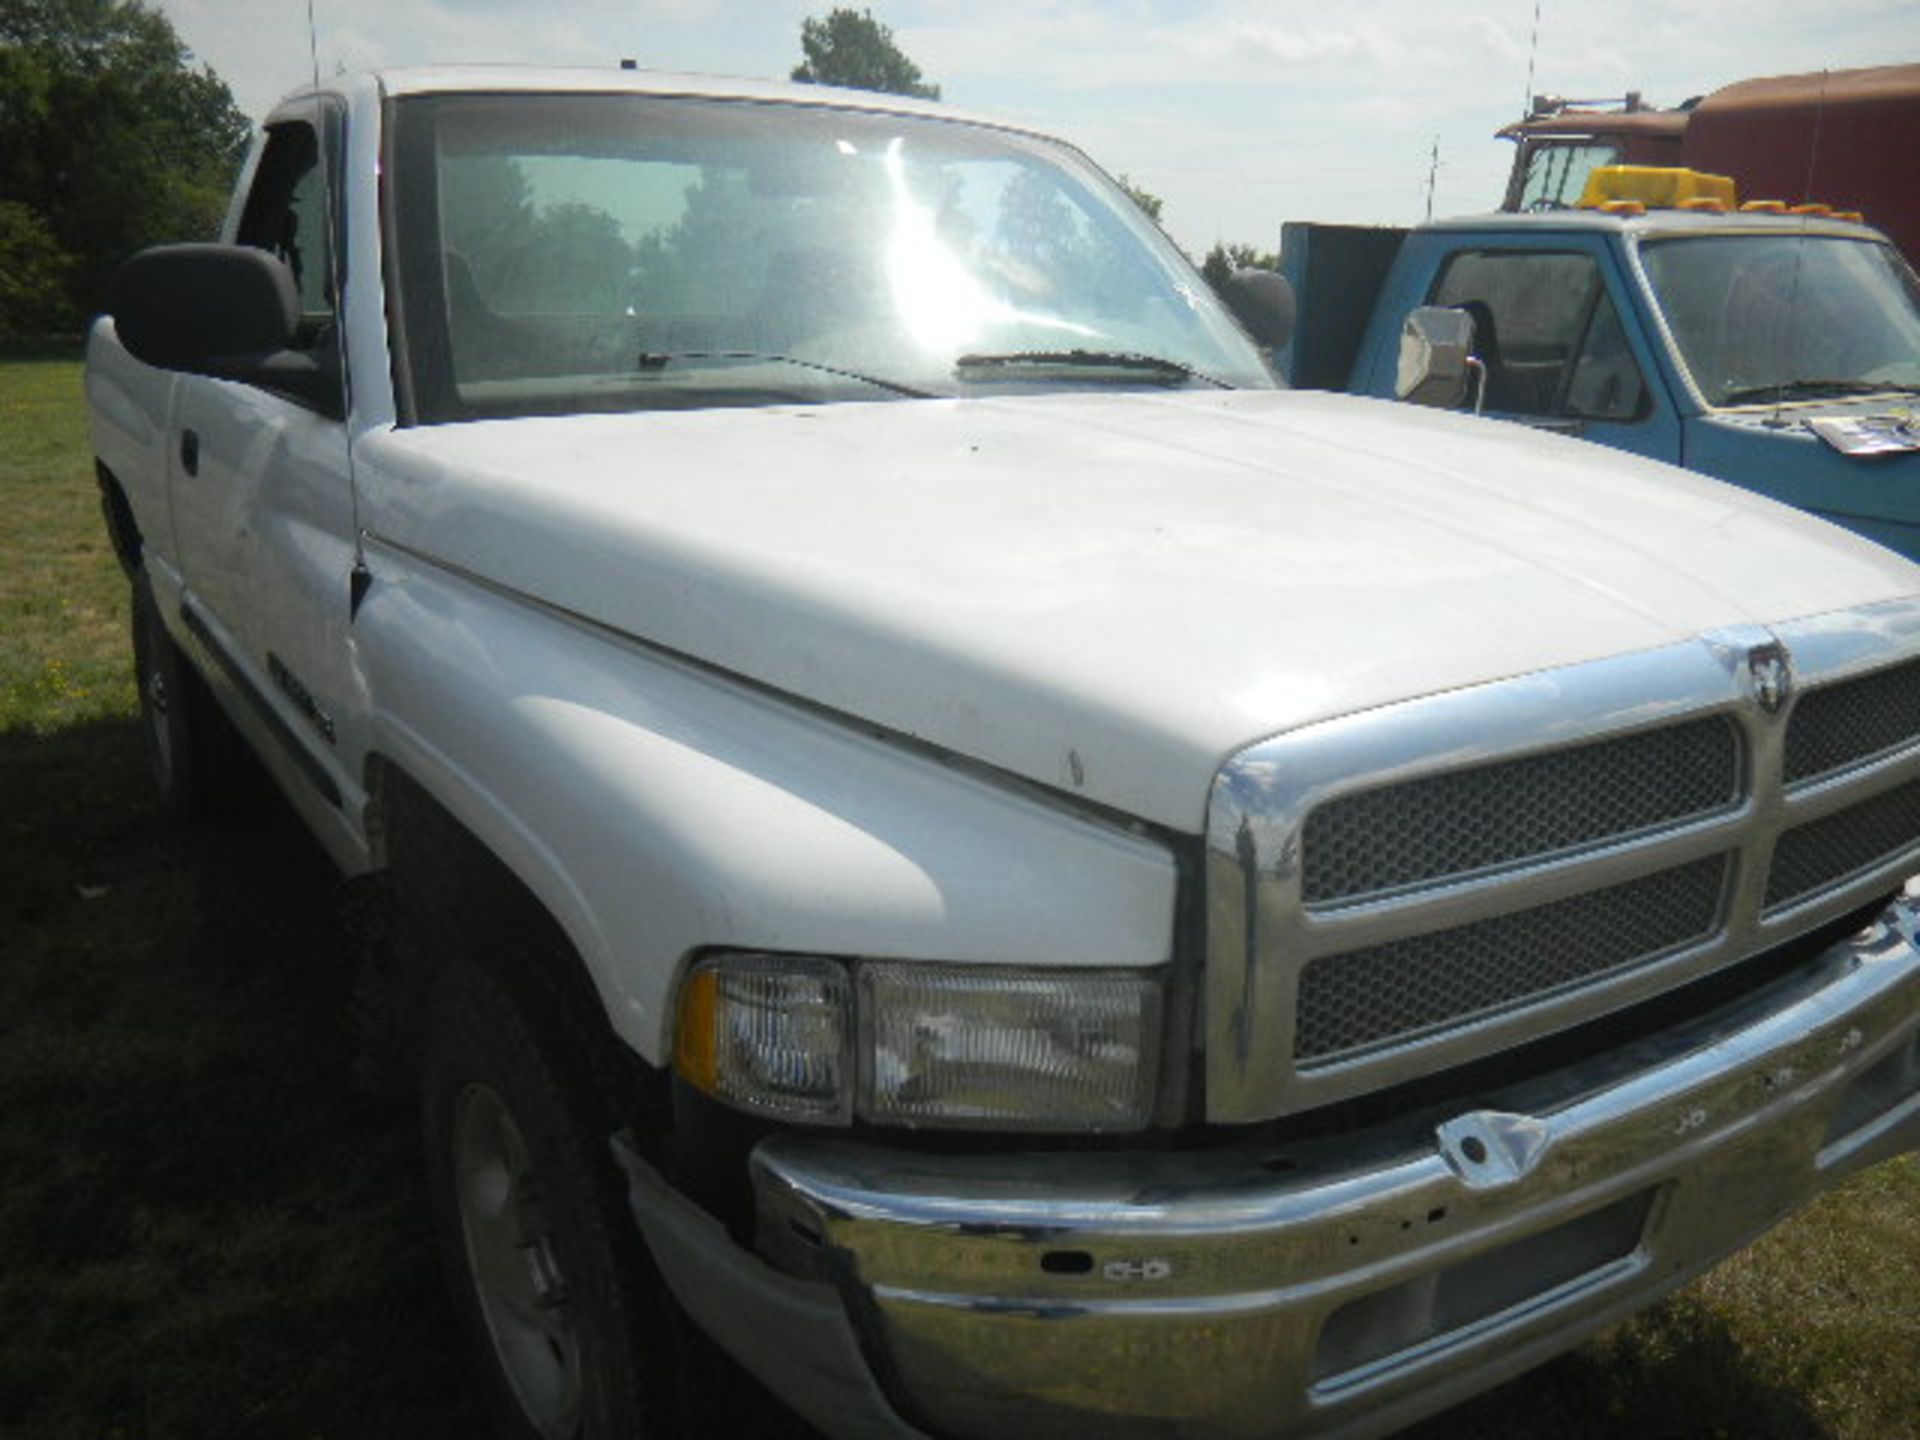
[(203, 1234)]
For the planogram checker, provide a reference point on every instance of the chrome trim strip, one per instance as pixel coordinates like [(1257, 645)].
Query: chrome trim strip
[(310, 768), (1261, 933)]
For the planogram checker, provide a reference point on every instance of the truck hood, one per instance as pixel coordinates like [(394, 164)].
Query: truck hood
[(1107, 593)]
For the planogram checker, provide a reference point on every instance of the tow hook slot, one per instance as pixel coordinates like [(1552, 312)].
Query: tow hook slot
[(1491, 1148)]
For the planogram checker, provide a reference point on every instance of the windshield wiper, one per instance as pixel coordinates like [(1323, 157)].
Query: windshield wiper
[(651, 360), (1816, 389), (1129, 363)]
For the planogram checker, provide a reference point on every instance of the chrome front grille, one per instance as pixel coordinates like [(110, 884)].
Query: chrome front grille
[(1388, 992), (1481, 818), (1414, 887), (1821, 854), (1843, 724)]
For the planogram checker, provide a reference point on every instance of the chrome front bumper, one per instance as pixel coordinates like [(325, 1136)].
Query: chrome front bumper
[(1346, 1286)]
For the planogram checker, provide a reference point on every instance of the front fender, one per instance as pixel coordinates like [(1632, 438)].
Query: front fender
[(657, 808)]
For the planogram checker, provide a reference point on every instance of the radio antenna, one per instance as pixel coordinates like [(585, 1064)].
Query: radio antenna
[(1796, 331), (359, 577), (1533, 52), (1813, 145), (313, 50)]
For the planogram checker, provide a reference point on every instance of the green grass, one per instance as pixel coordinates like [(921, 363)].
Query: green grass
[(202, 1234), (62, 602)]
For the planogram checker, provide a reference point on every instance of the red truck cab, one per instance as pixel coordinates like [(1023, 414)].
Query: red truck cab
[(1850, 138)]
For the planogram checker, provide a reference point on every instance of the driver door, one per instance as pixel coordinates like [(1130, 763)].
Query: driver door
[(261, 495)]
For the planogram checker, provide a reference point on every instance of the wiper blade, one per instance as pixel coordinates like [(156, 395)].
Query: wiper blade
[(1127, 362), (1816, 389), (660, 359)]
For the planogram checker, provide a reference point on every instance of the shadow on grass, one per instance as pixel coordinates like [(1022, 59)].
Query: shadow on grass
[(1675, 1371), (203, 1232)]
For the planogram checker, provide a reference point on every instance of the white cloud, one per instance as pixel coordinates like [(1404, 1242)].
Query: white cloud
[(1383, 112), (1292, 46), (1493, 36)]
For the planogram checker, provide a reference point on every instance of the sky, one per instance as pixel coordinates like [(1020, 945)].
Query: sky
[(1239, 114)]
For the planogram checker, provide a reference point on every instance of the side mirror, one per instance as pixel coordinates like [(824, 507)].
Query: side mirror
[(1261, 300), (1436, 354), (228, 311)]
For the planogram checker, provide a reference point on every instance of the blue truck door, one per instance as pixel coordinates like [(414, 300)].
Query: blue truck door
[(1562, 336)]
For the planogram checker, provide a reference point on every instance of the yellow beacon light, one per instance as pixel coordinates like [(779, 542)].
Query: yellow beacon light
[(1655, 187)]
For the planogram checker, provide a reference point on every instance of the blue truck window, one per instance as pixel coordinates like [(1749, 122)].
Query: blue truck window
[(1548, 333)]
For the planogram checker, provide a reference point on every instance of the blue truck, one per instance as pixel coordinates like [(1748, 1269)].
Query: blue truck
[(1779, 351)]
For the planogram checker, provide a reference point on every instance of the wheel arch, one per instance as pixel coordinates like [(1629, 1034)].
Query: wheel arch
[(436, 862), (123, 531)]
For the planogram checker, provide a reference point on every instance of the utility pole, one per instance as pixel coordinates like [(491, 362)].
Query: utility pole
[(1433, 169)]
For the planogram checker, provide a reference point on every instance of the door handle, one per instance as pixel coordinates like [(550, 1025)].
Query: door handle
[(190, 451)]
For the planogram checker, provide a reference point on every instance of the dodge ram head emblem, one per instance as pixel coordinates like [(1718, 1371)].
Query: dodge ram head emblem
[(1772, 676)]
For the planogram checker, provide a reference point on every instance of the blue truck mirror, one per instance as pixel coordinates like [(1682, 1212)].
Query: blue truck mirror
[(1436, 346)]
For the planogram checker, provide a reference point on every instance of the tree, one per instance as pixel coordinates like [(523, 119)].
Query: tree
[(33, 273), (1223, 259), (110, 139), (852, 48), (1143, 197)]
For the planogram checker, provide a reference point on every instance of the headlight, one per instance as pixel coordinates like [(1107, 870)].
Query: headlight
[(768, 1034), (915, 1044)]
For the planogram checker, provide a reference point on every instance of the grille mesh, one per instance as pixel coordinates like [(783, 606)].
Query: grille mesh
[(1811, 857), (1368, 996), (1469, 820), (1840, 725)]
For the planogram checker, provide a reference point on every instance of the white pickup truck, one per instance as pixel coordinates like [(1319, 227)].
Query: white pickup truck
[(1030, 881)]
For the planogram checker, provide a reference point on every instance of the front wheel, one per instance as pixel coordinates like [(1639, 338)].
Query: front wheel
[(165, 684), (564, 1312), (200, 765)]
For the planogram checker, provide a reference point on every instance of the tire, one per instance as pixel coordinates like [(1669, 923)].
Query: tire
[(564, 1313), (201, 767), (165, 684)]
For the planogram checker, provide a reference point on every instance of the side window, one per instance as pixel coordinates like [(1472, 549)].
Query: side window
[(1548, 333), (1605, 384), (286, 215)]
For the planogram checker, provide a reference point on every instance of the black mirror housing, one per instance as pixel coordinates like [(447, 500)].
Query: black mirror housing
[(1262, 301), (180, 307), (229, 311)]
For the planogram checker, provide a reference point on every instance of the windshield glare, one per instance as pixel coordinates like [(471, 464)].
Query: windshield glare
[(1761, 319), (585, 252)]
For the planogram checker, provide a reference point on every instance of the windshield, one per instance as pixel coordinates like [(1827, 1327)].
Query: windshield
[(1768, 319), (1557, 172), (589, 252)]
